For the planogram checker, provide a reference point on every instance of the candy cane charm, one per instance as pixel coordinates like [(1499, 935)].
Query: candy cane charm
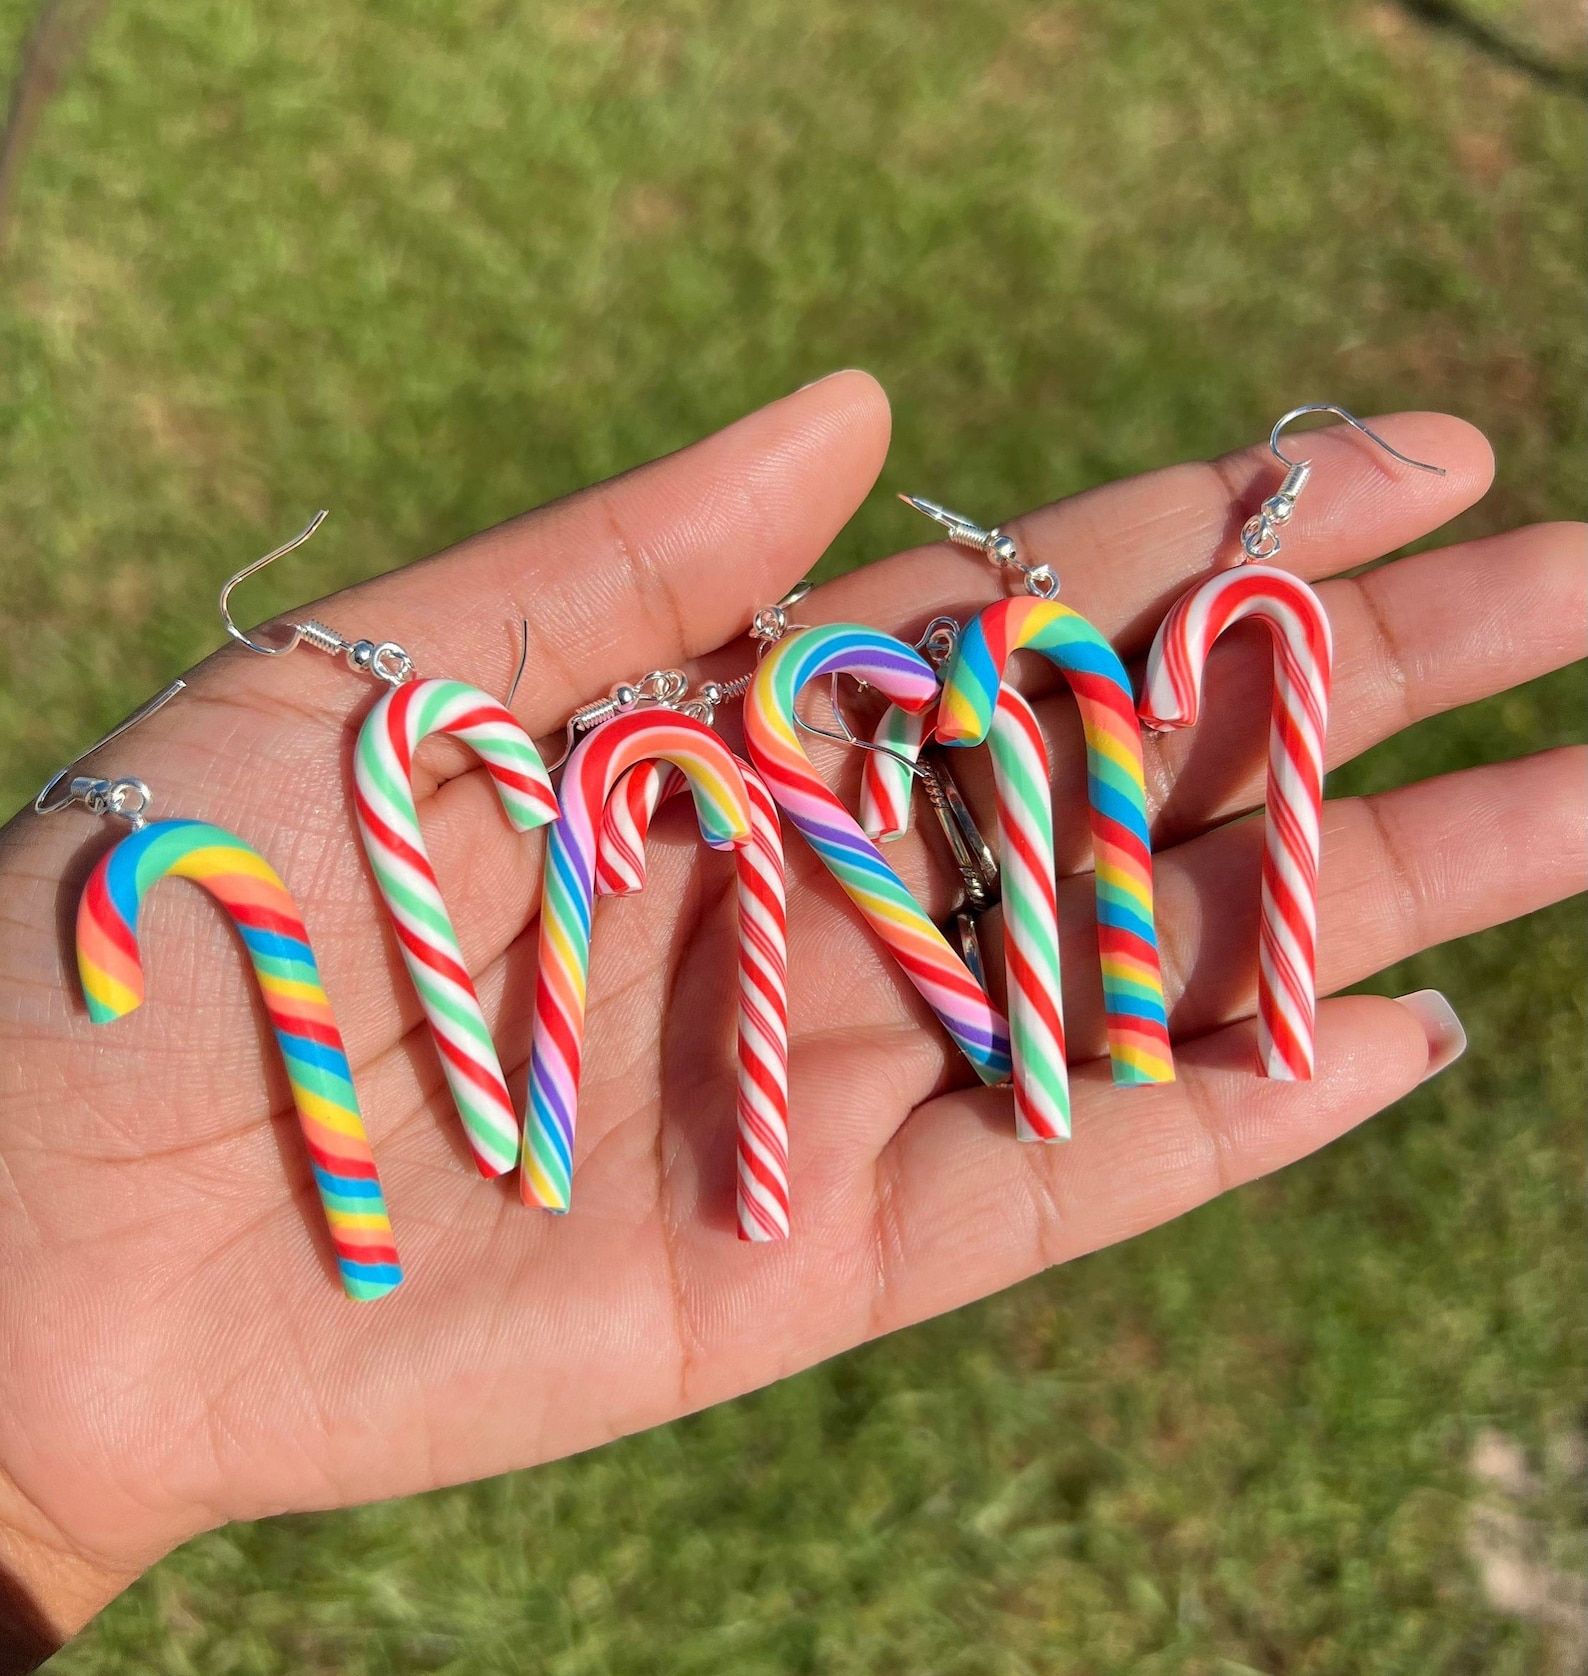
[(388, 822), (1172, 698), (903, 676), (1138, 1031), (1303, 663), (763, 1197), (245, 884), (723, 809)]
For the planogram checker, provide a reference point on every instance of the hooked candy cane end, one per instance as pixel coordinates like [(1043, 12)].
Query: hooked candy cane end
[(108, 998), (361, 1290)]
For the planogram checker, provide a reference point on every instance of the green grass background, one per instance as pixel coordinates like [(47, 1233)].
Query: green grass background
[(433, 264)]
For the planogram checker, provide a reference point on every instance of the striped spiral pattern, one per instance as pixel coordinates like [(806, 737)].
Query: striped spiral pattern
[(1303, 662), (886, 783), (388, 820), (763, 1191), (245, 884), (882, 897), (1022, 779), (722, 807), (1138, 1028)]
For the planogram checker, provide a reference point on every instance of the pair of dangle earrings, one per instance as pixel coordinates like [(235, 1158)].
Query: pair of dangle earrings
[(977, 704), (1171, 699)]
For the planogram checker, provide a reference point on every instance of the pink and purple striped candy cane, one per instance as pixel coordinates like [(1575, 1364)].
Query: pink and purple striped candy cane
[(902, 675), (1303, 660), (763, 1192), (388, 821), (598, 762)]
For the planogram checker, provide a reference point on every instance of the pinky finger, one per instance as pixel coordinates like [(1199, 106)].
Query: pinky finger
[(964, 1209)]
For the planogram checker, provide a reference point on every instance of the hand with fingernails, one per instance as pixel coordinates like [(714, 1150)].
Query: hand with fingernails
[(237, 1382)]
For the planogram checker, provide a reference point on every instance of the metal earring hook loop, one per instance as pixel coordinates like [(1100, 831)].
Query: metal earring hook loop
[(1351, 419), (1041, 581), (294, 630), (1260, 538), (127, 798), (385, 660)]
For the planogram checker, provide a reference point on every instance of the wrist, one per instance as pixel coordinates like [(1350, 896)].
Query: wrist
[(49, 1586)]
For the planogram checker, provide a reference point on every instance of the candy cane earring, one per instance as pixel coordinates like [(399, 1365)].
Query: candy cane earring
[(412, 709), (242, 881), (771, 727), (1303, 656), (974, 709), (595, 766), (762, 1023)]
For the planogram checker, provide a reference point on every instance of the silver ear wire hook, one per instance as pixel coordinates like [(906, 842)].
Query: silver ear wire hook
[(126, 799), (666, 689), (1260, 534), (999, 548), (523, 658), (294, 630), (385, 659)]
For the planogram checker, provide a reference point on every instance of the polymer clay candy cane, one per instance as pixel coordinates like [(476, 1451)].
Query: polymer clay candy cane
[(921, 950), (1138, 1031), (598, 761), (888, 778), (1028, 894), (247, 887), (763, 1193), (1172, 698), (388, 821)]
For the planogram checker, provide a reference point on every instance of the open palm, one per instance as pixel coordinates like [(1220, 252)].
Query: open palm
[(176, 1351)]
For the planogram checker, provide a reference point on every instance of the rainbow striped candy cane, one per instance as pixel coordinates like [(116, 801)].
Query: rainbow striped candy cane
[(1172, 698), (388, 821), (1028, 896), (905, 677), (722, 807), (763, 1194), (1138, 1029), (246, 885)]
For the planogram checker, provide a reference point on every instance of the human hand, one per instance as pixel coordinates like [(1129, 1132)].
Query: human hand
[(176, 1352)]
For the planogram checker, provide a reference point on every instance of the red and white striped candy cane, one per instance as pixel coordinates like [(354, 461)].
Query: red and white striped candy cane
[(763, 1192), (1172, 698)]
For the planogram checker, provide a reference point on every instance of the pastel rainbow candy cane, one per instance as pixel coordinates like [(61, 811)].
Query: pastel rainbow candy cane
[(722, 807), (1303, 660), (763, 1196), (1028, 892), (388, 821), (246, 885), (1138, 1030), (921, 950)]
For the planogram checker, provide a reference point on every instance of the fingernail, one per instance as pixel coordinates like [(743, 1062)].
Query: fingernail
[(823, 379), (1447, 1040)]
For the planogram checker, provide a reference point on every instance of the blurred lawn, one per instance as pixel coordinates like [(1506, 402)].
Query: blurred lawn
[(430, 265)]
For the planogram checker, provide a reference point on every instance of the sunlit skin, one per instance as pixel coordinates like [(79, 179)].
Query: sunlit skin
[(175, 1351)]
